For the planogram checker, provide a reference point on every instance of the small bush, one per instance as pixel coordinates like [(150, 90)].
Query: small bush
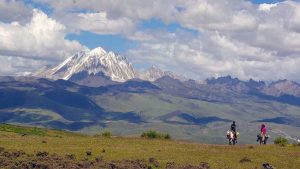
[(99, 159), (106, 134), (71, 156), (150, 134), (244, 160), (154, 162), (296, 144), (154, 134), (281, 141), (1, 149), (88, 153), (42, 154)]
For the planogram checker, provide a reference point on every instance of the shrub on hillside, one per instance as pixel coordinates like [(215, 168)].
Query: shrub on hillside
[(167, 136), (281, 141), (245, 160), (106, 134), (296, 144), (154, 134)]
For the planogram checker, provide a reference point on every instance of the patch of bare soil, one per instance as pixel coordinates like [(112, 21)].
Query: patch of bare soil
[(44, 160)]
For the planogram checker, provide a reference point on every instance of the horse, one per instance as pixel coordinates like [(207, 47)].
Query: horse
[(261, 140), (231, 137)]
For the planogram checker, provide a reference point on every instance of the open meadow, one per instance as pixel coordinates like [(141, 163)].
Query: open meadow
[(23, 145)]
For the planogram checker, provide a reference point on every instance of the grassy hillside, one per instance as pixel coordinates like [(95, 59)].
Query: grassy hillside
[(34, 142), (196, 113), (152, 107)]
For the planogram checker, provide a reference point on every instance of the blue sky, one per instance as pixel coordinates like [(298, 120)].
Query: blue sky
[(265, 1), (116, 43)]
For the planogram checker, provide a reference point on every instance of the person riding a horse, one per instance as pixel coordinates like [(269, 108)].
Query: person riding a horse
[(263, 131), (232, 134), (262, 137)]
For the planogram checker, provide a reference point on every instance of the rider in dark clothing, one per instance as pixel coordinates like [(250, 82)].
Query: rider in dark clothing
[(233, 128)]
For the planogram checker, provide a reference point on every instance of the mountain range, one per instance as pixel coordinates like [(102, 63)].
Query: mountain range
[(95, 90), (99, 68)]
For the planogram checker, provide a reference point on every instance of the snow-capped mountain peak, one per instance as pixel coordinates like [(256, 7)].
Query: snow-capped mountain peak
[(92, 62), (98, 65), (97, 51)]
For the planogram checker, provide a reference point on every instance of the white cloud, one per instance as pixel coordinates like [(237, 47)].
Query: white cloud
[(97, 23), (214, 54), (230, 15), (41, 38), (134, 9), (12, 65), (266, 7), (235, 37)]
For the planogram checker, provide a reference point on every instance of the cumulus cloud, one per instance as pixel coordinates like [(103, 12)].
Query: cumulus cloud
[(215, 55), (42, 37), (12, 65), (266, 7), (135, 9), (98, 23), (110, 17), (242, 41), (234, 37)]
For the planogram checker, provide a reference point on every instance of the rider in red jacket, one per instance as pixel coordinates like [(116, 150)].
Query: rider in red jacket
[(263, 131)]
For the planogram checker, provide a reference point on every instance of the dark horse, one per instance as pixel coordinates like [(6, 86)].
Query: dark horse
[(261, 140)]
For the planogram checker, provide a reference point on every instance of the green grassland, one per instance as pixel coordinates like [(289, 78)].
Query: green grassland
[(93, 110), (152, 106), (32, 140)]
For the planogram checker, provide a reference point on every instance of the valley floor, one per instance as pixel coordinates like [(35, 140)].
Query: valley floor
[(22, 147)]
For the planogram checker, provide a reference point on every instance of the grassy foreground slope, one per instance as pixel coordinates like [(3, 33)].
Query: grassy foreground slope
[(34, 140)]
